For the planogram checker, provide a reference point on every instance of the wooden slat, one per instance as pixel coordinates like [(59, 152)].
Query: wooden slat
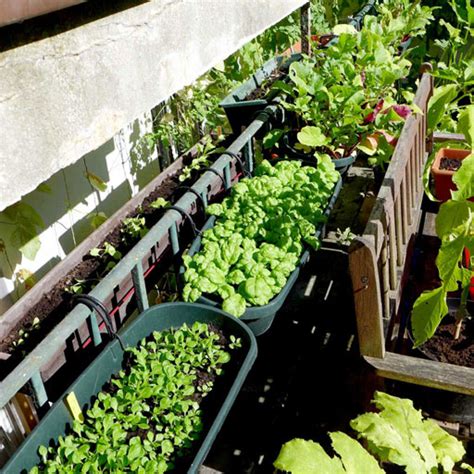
[(445, 137), (428, 373), (366, 288), (398, 231)]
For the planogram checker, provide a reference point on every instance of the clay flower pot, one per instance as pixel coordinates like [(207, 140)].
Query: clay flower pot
[(445, 164)]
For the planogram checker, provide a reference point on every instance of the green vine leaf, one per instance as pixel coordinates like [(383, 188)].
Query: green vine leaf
[(96, 182), (438, 104), (428, 311)]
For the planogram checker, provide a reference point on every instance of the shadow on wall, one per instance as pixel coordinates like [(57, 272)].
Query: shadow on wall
[(60, 210), (143, 163)]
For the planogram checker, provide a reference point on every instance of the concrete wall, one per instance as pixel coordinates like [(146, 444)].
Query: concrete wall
[(64, 96)]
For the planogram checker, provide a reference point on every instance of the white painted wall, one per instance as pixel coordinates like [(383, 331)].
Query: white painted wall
[(125, 163)]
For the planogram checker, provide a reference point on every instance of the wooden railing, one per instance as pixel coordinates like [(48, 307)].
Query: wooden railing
[(378, 260)]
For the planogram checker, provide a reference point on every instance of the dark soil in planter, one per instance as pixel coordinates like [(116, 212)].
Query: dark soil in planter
[(261, 91), (444, 348), (56, 304), (450, 164)]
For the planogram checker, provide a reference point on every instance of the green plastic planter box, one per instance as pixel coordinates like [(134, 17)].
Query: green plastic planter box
[(109, 362), (240, 112), (260, 318)]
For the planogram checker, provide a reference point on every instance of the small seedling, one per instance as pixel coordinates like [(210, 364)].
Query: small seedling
[(133, 228), (345, 237), (159, 203), (159, 393)]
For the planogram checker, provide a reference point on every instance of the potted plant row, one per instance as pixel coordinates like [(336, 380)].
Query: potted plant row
[(143, 404), (345, 101), (391, 25), (251, 251), (26, 323)]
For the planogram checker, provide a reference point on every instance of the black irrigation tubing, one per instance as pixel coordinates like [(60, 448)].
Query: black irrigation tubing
[(187, 216), (96, 305), (193, 191), (212, 170), (245, 172)]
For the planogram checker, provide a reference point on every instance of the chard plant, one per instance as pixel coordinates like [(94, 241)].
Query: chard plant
[(346, 97), (397, 434), (150, 415), (258, 237), (455, 228)]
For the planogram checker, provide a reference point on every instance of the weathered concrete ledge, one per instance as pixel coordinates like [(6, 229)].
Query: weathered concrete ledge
[(64, 96)]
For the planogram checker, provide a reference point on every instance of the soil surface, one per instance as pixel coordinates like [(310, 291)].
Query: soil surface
[(450, 164), (57, 303), (444, 348)]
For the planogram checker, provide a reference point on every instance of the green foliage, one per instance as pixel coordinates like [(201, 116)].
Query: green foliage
[(455, 228), (108, 252), (453, 57), (133, 228), (152, 415), (77, 287), (96, 182), (346, 97), (24, 333), (204, 150), (299, 456), (97, 219), (194, 111), (397, 434), (159, 203), (257, 240), (24, 224)]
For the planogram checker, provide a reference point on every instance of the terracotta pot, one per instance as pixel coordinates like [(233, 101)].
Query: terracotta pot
[(443, 179), (13, 11)]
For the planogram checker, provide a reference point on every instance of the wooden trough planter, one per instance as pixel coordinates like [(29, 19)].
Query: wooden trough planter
[(379, 263)]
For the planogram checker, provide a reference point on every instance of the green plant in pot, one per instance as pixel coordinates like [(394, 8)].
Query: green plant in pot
[(455, 229), (345, 100)]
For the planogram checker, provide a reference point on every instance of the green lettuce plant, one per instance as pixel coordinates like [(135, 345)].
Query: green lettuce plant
[(396, 434), (258, 237), (151, 413), (455, 228)]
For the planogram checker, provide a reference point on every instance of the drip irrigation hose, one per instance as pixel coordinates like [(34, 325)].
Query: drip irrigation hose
[(245, 172), (212, 170), (193, 191), (96, 305), (187, 216)]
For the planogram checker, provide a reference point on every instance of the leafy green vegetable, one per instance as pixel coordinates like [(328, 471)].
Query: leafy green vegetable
[(398, 434), (151, 414), (257, 240)]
